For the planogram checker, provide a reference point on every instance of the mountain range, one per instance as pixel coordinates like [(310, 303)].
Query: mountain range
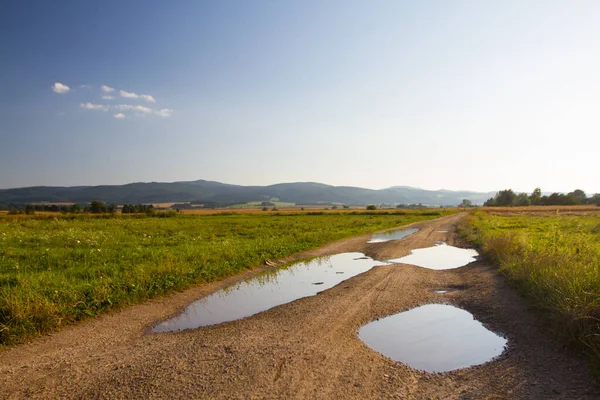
[(213, 193)]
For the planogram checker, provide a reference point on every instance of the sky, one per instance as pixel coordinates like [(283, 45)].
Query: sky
[(475, 95)]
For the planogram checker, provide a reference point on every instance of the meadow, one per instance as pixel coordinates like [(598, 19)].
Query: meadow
[(59, 269), (554, 261)]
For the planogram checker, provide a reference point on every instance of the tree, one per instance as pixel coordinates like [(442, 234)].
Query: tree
[(97, 207), (506, 198), (491, 202), (466, 203), (536, 196), (523, 200), (75, 208), (29, 209), (578, 196), (371, 207)]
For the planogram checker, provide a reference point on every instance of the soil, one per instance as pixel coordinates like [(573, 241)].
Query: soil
[(305, 349)]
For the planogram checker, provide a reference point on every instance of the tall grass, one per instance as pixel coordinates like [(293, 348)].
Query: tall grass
[(555, 262), (57, 270)]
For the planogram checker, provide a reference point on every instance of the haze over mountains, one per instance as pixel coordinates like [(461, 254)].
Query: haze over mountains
[(220, 194)]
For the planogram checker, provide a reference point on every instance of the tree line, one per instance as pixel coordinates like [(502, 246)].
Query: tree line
[(94, 207), (507, 197)]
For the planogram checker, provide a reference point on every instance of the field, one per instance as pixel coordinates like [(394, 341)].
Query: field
[(55, 270), (554, 259), (258, 204)]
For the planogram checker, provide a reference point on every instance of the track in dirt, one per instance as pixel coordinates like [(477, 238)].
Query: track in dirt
[(305, 349)]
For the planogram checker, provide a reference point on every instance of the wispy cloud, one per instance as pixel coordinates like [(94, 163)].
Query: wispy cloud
[(130, 107), (107, 89), (60, 88), (131, 95), (119, 116), (163, 112), (85, 86), (90, 106), (108, 97)]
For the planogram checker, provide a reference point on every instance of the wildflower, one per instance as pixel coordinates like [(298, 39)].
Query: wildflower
[(78, 242)]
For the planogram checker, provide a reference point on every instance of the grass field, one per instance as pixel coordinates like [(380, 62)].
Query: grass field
[(554, 260), (258, 204), (55, 270)]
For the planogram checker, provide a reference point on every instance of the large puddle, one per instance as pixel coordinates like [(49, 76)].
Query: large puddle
[(270, 289), (440, 256), (433, 338), (391, 235)]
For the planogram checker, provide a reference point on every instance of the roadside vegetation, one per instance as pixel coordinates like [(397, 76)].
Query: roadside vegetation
[(554, 260), (58, 269)]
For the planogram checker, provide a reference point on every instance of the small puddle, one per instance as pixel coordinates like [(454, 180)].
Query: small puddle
[(392, 235), (441, 291), (440, 256), (433, 338), (269, 289)]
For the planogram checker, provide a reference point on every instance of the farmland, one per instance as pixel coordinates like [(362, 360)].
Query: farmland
[(553, 258), (55, 270)]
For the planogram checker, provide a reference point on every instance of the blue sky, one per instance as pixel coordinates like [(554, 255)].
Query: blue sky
[(434, 94)]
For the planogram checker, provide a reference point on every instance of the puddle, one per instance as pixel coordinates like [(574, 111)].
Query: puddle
[(269, 289), (433, 338), (441, 291), (440, 256), (391, 235)]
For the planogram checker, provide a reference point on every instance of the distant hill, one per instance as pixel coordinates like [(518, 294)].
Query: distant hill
[(218, 194)]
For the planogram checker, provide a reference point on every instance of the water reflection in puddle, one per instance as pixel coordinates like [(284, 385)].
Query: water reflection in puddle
[(269, 289), (433, 338), (391, 235), (440, 256)]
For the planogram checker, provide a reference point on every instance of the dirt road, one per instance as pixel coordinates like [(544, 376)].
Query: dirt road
[(306, 349)]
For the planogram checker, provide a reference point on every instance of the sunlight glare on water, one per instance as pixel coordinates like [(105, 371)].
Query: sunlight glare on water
[(269, 289), (439, 257), (433, 338)]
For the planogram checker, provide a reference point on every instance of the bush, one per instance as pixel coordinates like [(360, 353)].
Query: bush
[(371, 207)]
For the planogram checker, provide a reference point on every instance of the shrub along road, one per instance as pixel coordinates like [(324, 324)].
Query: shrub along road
[(306, 349)]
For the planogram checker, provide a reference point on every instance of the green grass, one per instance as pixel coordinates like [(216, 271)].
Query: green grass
[(555, 262), (58, 270)]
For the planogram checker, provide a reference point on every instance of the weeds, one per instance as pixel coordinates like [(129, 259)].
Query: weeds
[(555, 262)]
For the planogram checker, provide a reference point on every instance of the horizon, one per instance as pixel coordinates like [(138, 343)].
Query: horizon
[(589, 194), (459, 95)]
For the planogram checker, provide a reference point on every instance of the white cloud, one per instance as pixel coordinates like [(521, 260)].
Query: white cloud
[(90, 106), (107, 89), (131, 95), (130, 107), (108, 97), (128, 94), (140, 110), (60, 88), (84, 86), (148, 98), (164, 112)]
